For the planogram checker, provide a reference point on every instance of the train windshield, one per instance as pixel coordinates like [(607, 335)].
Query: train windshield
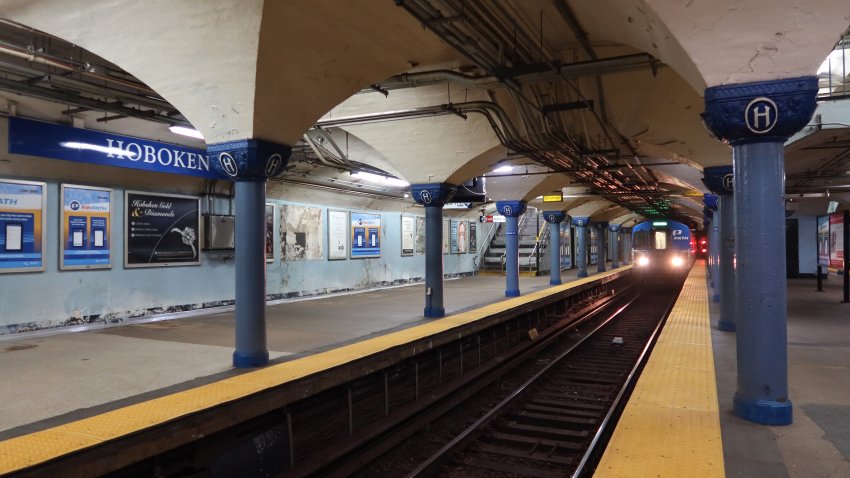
[(660, 239)]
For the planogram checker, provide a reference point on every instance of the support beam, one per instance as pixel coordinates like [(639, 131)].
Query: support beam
[(554, 218), (615, 259), (433, 196), (581, 244), (512, 210), (756, 119), (601, 251)]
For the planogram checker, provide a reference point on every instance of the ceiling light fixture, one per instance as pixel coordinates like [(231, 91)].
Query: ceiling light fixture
[(184, 131), (503, 169), (379, 179)]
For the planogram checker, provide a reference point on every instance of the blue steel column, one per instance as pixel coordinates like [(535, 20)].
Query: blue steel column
[(615, 228), (601, 251), (554, 218), (726, 241), (581, 244), (711, 218), (756, 119), (512, 210), (249, 163), (433, 197), (627, 239)]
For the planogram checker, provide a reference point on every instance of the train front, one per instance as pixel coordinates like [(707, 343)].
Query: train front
[(661, 249)]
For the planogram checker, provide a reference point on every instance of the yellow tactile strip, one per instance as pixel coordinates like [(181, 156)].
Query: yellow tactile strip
[(29, 450), (671, 425)]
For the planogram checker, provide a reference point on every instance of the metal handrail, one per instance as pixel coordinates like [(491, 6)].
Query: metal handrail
[(535, 252), (476, 261), (520, 224)]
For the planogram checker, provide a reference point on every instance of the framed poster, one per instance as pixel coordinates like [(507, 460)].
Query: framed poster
[(473, 238), (269, 232), (408, 235), (23, 220), (420, 236), (823, 240), (161, 229), (365, 235), (301, 237), (84, 235), (836, 240), (337, 235), (566, 247), (446, 234), (453, 230)]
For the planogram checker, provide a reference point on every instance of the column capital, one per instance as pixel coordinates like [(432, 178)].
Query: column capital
[(710, 201), (581, 221), (760, 112), (511, 208), (554, 217), (719, 180), (432, 194), (249, 159), (614, 227)]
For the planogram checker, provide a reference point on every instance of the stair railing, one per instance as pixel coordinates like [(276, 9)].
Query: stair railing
[(488, 238), (520, 224), (541, 240)]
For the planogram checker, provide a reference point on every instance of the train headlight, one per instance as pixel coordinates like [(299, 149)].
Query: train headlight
[(678, 261), (643, 261)]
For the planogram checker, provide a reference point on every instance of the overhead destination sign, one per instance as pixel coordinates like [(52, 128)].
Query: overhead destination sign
[(36, 138), (554, 197)]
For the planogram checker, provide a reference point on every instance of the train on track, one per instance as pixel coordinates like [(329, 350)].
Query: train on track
[(662, 249)]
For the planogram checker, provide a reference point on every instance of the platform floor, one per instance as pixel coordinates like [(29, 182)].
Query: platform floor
[(55, 379), (817, 444)]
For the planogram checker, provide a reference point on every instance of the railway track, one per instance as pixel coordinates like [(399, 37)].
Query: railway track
[(551, 423)]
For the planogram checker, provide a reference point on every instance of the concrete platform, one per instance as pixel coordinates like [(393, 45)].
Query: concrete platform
[(817, 444), (54, 379)]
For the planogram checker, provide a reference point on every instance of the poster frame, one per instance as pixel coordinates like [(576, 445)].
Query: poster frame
[(446, 236), (412, 219), (270, 260), (200, 223), (43, 186), (110, 227), (351, 236), (345, 230), (472, 229)]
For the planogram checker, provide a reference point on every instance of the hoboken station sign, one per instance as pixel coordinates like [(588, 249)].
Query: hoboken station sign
[(36, 138)]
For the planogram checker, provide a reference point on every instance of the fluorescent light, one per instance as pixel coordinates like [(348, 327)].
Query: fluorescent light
[(101, 149), (182, 130), (659, 223), (379, 179), (503, 169)]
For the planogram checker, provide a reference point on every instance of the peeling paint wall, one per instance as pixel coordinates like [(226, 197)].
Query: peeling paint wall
[(54, 298)]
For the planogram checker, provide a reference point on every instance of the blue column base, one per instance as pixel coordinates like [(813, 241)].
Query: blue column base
[(582, 274), (555, 282), (435, 312), (764, 412), (726, 326), (249, 360), (512, 293)]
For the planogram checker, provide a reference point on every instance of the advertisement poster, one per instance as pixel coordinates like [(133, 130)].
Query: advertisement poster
[(365, 235), (337, 235), (823, 240), (836, 240), (566, 247), (161, 229), (446, 233), (453, 232), (420, 236), (86, 226), (269, 232), (461, 234), (22, 225), (408, 235), (473, 238), (592, 232), (301, 237)]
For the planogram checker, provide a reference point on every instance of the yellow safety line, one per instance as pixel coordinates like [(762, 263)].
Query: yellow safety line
[(28, 450), (671, 425)]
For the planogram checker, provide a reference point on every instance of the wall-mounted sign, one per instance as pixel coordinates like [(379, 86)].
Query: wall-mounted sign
[(473, 238), (823, 240), (301, 236), (337, 235), (446, 235), (420, 236), (459, 237), (491, 218), (554, 197), (269, 219), (365, 235), (86, 227), (836, 240), (36, 138), (161, 229), (457, 205), (22, 225), (408, 235)]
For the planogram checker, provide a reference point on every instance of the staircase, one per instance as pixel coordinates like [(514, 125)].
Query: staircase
[(531, 252)]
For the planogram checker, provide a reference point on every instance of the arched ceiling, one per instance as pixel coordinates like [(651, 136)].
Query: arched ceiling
[(605, 94)]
